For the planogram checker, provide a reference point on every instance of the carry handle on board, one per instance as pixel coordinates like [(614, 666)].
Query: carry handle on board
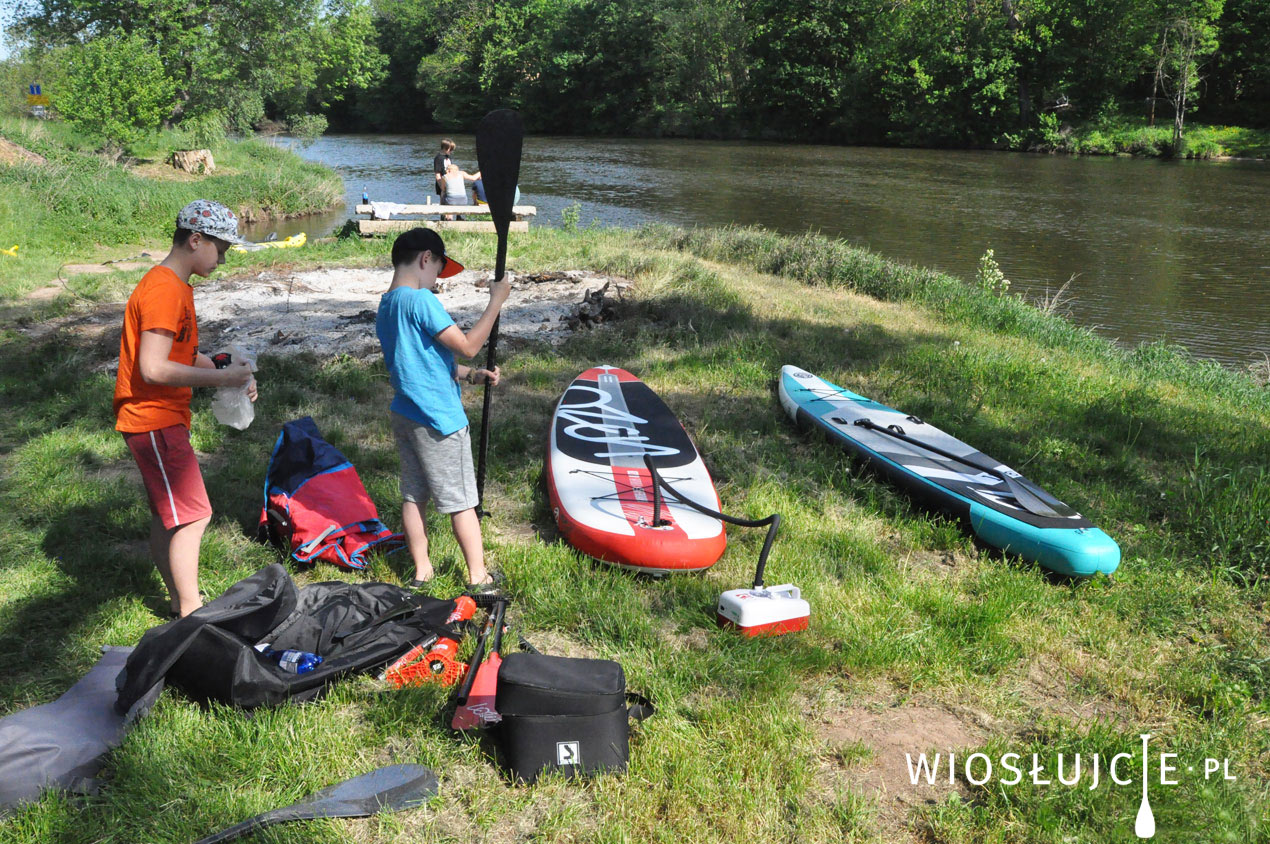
[(773, 522)]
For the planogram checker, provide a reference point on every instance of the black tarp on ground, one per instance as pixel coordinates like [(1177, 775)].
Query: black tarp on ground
[(210, 654)]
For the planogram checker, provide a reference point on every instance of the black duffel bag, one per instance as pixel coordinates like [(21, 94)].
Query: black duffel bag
[(566, 715), (210, 654)]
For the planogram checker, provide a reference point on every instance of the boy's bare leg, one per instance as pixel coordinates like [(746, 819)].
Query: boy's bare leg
[(175, 555), (416, 538), (159, 554), (467, 530)]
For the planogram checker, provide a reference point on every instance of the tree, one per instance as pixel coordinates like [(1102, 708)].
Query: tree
[(947, 72), (116, 89), (1238, 89), (801, 63), (405, 31), (1187, 39), (231, 56)]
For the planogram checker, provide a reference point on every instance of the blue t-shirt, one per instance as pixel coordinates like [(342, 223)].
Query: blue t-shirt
[(422, 370)]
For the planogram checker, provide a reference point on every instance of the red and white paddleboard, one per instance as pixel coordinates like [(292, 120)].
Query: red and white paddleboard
[(601, 492)]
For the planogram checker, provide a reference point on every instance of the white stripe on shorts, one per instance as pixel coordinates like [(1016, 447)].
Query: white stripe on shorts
[(164, 472)]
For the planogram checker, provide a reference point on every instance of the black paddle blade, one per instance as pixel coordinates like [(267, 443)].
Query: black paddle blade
[(389, 789), (499, 139)]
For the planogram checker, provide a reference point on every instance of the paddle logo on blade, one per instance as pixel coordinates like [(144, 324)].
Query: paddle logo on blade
[(568, 753)]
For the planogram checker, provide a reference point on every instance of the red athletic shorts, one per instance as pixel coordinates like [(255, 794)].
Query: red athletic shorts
[(169, 470)]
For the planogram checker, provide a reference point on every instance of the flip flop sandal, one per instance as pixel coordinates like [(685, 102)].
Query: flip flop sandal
[(494, 585)]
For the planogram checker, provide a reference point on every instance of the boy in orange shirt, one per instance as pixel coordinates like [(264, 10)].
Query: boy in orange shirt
[(159, 364)]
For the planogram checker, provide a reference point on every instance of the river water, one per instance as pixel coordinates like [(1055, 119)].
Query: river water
[(1171, 250)]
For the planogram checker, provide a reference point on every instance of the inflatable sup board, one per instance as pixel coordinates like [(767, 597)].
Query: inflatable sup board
[(600, 491), (1002, 507)]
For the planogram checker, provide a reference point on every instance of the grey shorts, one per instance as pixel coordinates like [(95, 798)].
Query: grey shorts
[(435, 467)]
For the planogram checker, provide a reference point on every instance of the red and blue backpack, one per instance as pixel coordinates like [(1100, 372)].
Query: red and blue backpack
[(315, 504)]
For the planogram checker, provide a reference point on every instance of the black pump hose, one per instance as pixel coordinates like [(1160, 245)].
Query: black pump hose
[(772, 522)]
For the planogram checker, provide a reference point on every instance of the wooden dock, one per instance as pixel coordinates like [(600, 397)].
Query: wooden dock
[(427, 216)]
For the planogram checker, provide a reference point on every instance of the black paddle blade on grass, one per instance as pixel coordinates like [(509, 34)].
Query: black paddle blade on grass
[(389, 789)]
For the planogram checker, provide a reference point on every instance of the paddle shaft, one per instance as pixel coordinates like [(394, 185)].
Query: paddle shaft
[(385, 789), (239, 830), (499, 140), (1030, 500), (491, 361)]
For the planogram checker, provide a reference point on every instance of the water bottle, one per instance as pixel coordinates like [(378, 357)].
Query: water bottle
[(231, 405), (291, 660)]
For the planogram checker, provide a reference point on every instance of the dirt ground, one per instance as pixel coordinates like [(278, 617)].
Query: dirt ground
[(11, 153), (872, 743), (332, 311)]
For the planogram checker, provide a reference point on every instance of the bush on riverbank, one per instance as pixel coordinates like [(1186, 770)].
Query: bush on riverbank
[(909, 616), (77, 204)]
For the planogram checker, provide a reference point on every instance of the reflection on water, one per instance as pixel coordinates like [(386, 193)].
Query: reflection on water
[(1154, 249)]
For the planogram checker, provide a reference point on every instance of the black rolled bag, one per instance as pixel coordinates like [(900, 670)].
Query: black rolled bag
[(563, 714), (210, 654)]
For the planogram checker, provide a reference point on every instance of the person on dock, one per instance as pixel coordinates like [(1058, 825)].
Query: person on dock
[(440, 163), (420, 341), (159, 363), (456, 186)]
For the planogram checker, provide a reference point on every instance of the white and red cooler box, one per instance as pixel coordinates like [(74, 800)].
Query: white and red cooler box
[(770, 611)]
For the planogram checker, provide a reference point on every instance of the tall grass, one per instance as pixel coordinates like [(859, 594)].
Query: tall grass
[(78, 204)]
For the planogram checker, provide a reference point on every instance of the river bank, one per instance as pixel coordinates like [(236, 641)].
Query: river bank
[(62, 203), (920, 640), (1123, 136)]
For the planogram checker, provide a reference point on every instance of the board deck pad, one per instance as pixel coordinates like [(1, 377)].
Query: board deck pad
[(601, 492), (1061, 540)]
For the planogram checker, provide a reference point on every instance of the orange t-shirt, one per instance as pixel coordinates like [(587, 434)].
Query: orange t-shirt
[(160, 301)]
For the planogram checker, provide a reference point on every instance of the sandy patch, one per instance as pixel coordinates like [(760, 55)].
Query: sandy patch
[(45, 294), (870, 744), (1052, 689), (332, 311), (11, 153)]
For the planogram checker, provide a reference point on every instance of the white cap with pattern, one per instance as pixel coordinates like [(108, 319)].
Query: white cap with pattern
[(210, 218)]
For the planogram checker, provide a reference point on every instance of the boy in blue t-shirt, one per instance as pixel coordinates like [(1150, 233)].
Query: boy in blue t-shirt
[(419, 340)]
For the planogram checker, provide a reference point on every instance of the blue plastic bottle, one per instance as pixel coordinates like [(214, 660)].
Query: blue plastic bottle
[(292, 661)]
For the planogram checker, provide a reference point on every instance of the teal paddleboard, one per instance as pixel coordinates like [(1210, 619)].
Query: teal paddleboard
[(1003, 508)]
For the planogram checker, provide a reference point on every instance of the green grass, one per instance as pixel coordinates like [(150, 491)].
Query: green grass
[(78, 207), (1132, 136), (1166, 454)]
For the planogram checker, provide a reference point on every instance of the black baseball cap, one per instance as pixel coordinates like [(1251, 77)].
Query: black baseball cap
[(410, 243)]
